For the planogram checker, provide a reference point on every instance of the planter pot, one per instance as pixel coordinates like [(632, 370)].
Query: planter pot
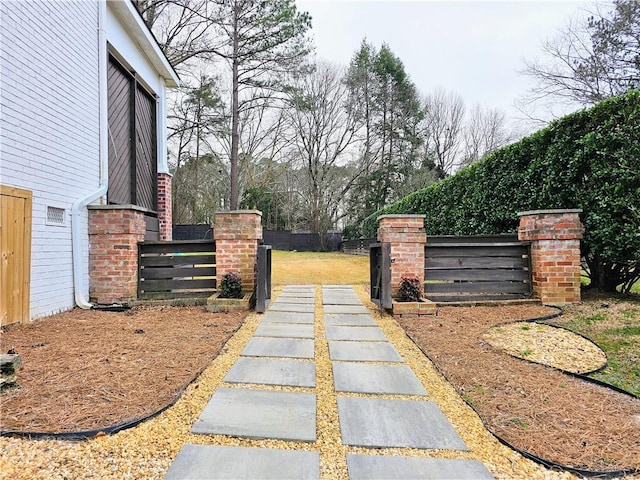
[(413, 309), (217, 304)]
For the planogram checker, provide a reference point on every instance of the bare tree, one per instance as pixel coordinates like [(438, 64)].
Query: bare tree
[(590, 59), (484, 131), (182, 27), (261, 41), (323, 129), (444, 116)]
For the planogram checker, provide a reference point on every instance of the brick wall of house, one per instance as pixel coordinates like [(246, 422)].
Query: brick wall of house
[(237, 234), (555, 253), (165, 218), (407, 237), (114, 233)]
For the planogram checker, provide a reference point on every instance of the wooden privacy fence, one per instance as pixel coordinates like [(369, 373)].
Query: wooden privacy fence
[(358, 246), (176, 269), (476, 268)]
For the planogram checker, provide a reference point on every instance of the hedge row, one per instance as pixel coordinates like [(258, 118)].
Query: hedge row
[(588, 160)]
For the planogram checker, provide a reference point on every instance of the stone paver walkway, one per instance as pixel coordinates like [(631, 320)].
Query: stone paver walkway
[(281, 353)]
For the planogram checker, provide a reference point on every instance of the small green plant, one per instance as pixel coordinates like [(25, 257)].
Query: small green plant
[(231, 286), (525, 353), (410, 290), (525, 327), (520, 423), (469, 399), (591, 319)]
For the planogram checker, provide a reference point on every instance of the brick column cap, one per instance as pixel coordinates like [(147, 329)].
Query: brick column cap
[(400, 215), (120, 207), (559, 211)]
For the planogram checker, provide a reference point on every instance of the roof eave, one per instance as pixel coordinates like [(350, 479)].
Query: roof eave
[(133, 22)]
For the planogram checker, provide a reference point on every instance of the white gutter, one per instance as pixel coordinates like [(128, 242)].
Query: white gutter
[(79, 205)]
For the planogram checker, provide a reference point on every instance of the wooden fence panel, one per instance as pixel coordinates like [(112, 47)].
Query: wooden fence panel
[(358, 246), (476, 268), (180, 269)]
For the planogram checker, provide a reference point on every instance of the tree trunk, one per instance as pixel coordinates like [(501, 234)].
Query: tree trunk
[(235, 117)]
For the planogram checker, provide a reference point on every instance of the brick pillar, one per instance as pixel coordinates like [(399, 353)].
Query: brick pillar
[(555, 253), (165, 217), (237, 234), (114, 233), (407, 237)]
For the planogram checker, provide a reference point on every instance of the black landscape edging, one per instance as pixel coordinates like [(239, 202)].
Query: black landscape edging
[(547, 463), (111, 429)]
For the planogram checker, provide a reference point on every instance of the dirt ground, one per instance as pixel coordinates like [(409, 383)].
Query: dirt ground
[(538, 409), (86, 370)]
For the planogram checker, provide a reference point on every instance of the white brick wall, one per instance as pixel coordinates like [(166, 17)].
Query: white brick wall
[(49, 128)]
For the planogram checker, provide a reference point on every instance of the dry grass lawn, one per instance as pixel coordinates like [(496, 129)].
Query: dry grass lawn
[(326, 268)]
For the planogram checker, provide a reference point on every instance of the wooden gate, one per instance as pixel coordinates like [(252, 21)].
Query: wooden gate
[(181, 269), (263, 278), (380, 274), (15, 239), (476, 268)]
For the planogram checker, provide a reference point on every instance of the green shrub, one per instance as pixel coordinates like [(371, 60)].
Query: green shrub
[(588, 160), (231, 286), (410, 289)]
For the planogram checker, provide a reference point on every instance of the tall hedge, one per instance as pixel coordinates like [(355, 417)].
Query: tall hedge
[(588, 160)]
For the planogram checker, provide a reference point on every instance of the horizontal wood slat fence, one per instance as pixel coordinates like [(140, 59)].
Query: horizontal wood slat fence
[(358, 246), (476, 268), (179, 269)]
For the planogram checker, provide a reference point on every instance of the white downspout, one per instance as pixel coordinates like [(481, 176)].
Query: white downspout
[(78, 206)]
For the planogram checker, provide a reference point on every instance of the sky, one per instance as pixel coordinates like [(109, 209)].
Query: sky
[(473, 48)]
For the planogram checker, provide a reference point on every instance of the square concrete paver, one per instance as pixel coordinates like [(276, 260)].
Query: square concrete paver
[(279, 347), (297, 294), (382, 467), (345, 309), (272, 372), (259, 414), (355, 333), (364, 352), (340, 300), (233, 463), (287, 317), (299, 300), (360, 320), (291, 307), (381, 379), (372, 422), (285, 330)]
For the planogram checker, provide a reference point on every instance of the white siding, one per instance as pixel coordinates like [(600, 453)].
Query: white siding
[(49, 128)]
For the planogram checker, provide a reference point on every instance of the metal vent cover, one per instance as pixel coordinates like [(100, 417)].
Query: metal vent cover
[(56, 216)]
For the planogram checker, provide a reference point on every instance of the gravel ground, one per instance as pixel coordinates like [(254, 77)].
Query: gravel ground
[(146, 451), (547, 345)]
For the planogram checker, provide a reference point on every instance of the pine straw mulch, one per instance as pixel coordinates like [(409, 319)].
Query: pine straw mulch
[(536, 408), (86, 370)]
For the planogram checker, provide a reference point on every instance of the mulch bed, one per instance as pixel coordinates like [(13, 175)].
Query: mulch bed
[(87, 370), (536, 408)]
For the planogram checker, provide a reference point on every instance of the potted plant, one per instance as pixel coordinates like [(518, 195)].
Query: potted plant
[(410, 302), (229, 295)]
